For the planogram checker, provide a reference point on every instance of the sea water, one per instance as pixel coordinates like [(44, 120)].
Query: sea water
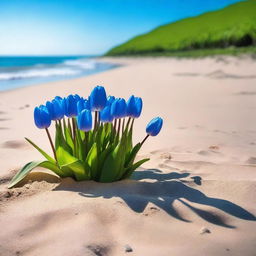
[(23, 71)]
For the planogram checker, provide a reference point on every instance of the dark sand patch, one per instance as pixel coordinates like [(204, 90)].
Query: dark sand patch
[(220, 74), (14, 144), (246, 93), (187, 74), (251, 160)]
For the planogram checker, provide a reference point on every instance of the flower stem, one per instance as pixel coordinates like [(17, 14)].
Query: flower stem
[(144, 140), (115, 123), (123, 124), (119, 126), (69, 127), (50, 139), (96, 120), (128, 122)]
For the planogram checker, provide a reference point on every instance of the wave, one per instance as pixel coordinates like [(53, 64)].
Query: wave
[(67, 67), (34, 73), (83, 64)]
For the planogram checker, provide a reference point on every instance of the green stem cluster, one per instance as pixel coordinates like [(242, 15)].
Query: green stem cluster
[(104, 154)]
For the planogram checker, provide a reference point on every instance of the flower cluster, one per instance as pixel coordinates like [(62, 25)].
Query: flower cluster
[(93, 136)]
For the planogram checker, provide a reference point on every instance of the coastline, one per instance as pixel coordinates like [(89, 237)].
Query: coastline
[(202, 166), (32, 71)]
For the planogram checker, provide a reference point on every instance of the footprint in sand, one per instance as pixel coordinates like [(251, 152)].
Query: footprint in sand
[(99, 250), (182, 128), (166, 156), (25, 106), (246, 93), (214, 147), (251, 160), (14, 144), (220, 74)]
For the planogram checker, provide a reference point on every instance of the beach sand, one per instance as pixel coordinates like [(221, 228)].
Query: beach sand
[(197, 194)]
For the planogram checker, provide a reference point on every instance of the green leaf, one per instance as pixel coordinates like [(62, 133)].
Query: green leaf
[(68, 137), (132, 168), (114, 164), (29, 167), (60, 140), (91, 160), (130, 157), (64, 157), (77, 168), (49, 158), (101, 160)]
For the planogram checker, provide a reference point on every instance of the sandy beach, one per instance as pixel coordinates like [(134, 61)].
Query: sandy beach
[(197, 194)]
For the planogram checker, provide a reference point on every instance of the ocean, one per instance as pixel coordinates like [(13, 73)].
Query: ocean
[(16, 72)]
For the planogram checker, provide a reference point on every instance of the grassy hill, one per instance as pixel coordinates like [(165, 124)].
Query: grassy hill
[(229, 30)]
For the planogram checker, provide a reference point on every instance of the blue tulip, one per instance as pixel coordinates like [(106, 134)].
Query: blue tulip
[(154, 126), (84, 120), (87, 105), (42, 117), (58, 98), (80, 106), (70, 106), (77, 97), (134, 107), (110, 100), (118, 108), (49, 107), (105, 115), (55, 109), (98, 98), (138, 104)]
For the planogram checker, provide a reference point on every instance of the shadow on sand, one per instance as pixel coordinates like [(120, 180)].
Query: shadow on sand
[(162, 190)]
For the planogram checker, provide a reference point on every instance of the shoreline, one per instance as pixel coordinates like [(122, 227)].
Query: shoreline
[(131, 60), (40, 72)]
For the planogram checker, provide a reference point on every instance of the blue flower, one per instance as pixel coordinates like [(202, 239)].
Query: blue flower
[(58, 98), (55, 109), (118, 108), (84, 120), (110, 100), (98, 98), (154, 126), (77, 97), (134, 107), (105, 115), (82, 104), (70, 106), (138, 104), (42, 117)]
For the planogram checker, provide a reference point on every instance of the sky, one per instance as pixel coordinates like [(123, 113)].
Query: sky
[(81, 27)]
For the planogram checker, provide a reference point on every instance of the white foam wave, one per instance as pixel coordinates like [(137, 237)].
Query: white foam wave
[(83, 64), (33, 73)]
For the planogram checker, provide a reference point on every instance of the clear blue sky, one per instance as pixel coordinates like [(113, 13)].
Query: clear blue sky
[(75, 27)]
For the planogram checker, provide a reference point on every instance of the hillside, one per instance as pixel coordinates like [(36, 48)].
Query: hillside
[(229, 30)]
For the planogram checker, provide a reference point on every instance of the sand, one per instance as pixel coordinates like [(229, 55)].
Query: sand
[(196, 196)]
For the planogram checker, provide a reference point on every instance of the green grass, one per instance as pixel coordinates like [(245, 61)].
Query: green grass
[(231, 30)]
